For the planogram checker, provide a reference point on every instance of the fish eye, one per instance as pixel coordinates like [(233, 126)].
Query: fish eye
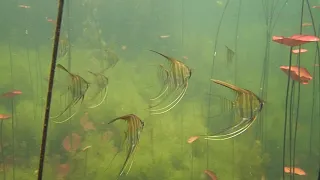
[(261, 105)]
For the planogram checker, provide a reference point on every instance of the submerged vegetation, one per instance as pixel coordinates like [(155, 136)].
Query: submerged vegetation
[(267, 129)]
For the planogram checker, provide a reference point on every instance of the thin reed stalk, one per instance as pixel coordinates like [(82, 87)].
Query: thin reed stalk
[(50, 87)]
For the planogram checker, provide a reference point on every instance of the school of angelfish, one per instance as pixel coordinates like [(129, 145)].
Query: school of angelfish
[(174, 76), (174, 79)]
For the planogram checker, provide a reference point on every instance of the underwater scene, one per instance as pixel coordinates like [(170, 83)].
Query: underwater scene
[(160, 90)]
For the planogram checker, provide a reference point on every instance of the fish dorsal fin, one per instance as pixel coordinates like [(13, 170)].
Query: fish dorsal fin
[(230, 86), (172, 60), (64, 69)]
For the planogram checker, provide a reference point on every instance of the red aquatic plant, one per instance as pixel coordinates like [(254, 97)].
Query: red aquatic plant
[(106, 136), (86, 124), (306, 24), (76, 141), (63, 170), (294, 170), (4, 167), (11, 93), (295, 40), (211, 175), (51, 20), (304, 76), (192, 139), (4, 116), (296, 51)]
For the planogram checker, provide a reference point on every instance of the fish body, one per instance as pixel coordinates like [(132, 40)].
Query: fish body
[(247, 105), (131, 137), (175, 79), (102, 82), (77, 88)]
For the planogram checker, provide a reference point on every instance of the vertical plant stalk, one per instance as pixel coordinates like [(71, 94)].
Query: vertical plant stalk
[(39, 80), (182, 24), (2, 153), (69, 35), (69, 58), (13, 139), (152, 144), (192, 159), (291, 106), (15, 123), (298, 102), (181, 131), (39, 75), (269, 9), (192, 156), (235, 79), (40, 96), (12, 112), (50, 87), (29, 66), (152, 140), (182, 44), (86, 163), (317, 57), (286, 116), (211, 75)]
